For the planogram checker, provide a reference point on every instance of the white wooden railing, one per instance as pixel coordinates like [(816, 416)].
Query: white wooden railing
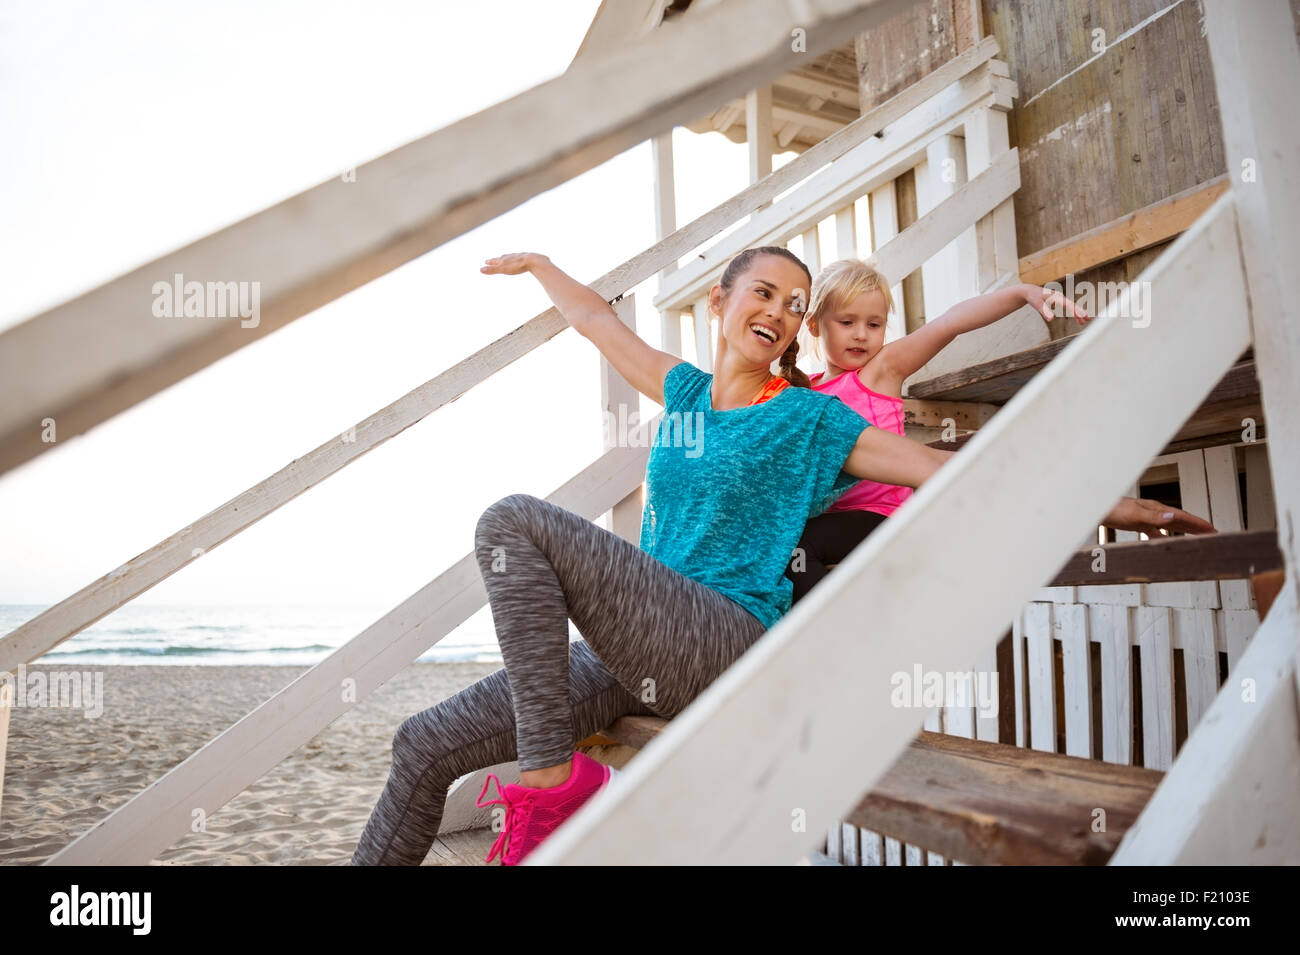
[(98, 354), (785, 723), (803, 724), (151, 821), (73, 614)]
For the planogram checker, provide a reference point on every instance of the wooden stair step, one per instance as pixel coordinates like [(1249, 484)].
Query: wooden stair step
[(1230, 555), (987, 803), (993, 382), (1217, 421)]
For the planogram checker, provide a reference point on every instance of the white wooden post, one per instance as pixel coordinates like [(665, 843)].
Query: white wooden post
[(987, 137), (884, 226), (703, 335), (812, 255), (1261, 512), (949, 276), (661, 151), (1225, 514), (811, 361), (1257, 69), (6, 702), (1200, 594), (846, 232), (993, 247), (621, 406), (758, 130)]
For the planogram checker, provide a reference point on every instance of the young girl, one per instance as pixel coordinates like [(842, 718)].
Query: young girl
[(662, 620), (846, 316)]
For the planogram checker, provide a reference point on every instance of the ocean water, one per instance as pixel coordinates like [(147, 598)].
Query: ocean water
[(141, 634)]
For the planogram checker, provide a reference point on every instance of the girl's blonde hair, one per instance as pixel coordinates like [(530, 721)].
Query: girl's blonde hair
[(837, 285)]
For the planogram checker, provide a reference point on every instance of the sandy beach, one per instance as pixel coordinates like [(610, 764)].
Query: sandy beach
[(65, 772)]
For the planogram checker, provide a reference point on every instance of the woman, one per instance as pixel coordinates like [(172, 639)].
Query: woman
[(660, 621)]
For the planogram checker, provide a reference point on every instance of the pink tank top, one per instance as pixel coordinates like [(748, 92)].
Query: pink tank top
[(883, 412)]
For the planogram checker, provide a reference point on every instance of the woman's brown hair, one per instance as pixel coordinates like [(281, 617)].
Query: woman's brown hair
[(738, 267)]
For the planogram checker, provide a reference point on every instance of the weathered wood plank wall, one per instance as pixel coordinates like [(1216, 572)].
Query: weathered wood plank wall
[(1117, 108)]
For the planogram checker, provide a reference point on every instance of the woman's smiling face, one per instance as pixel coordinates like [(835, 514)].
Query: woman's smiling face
[(762, 313), (851, 336)]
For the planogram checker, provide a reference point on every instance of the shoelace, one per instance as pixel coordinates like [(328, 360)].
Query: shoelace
[(513, 820)]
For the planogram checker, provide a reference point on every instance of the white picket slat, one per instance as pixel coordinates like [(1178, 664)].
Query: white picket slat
[(1156, 653), (1194, 630), (1070, 624), (1111, 627), (1040, 670)]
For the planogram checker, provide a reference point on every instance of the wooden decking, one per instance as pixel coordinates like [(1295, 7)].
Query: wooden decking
[(462, 848), (1228, 556), (988, 803), (1218, 419)]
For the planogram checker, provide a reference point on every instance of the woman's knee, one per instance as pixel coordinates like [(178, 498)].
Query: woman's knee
[(420, 741), (503, 515), (411, 738)]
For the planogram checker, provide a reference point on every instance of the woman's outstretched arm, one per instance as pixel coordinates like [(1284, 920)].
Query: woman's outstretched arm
[(642, 366), (889, 458)]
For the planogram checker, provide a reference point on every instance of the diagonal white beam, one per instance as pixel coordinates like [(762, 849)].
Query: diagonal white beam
[(149, 822), (90, 358), (868, 166), (71, 615)]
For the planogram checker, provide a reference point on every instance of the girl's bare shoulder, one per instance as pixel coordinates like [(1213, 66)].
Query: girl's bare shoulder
[(876, 376)]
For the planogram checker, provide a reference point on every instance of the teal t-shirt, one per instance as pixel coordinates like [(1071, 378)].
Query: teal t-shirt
[(728, 492)]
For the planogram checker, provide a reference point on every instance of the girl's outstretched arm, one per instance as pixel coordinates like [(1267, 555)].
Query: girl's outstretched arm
[(642, 366), (904, 357)]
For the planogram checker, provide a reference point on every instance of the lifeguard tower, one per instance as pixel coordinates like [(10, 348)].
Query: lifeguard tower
[(1147, 689)]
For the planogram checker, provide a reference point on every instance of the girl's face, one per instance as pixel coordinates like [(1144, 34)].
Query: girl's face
[(853, 335), (762, 313)]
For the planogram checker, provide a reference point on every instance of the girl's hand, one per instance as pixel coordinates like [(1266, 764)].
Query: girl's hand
[(513, 263), (1051, 304)]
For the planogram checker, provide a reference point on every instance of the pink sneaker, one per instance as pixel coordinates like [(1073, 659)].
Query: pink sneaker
[(533, 814)]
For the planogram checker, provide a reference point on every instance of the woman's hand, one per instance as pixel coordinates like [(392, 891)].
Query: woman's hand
[(1152, 517), (1052, 304), (592, 317), (514, 263)]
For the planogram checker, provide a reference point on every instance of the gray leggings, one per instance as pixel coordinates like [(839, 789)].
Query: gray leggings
[(654, 640)]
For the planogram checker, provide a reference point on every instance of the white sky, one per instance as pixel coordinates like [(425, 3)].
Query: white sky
[(132, 128)]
